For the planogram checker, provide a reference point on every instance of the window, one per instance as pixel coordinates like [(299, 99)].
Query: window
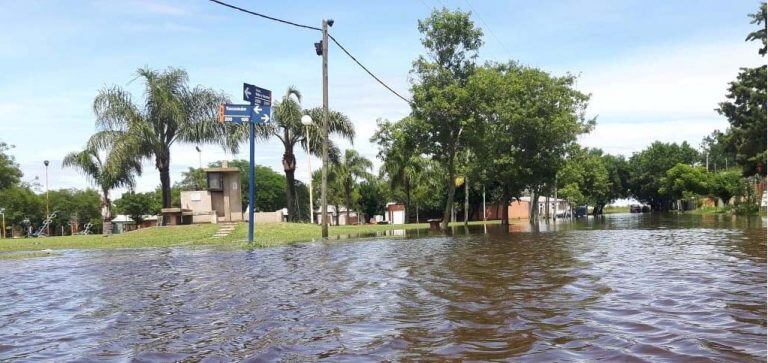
[(215, 181)]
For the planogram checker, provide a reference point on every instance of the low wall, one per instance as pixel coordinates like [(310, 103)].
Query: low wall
[(266, 217)]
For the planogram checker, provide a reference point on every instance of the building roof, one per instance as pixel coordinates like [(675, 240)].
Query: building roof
[(122, 218)]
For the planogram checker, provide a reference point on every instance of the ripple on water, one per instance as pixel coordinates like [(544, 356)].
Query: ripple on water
[(624, 288)]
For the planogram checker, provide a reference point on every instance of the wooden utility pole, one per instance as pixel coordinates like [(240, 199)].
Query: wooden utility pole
[(466, 200), (324, 183)]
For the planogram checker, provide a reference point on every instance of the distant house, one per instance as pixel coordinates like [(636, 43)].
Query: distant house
[(340, 216), (395, 213), (521, 209), (123, 223)]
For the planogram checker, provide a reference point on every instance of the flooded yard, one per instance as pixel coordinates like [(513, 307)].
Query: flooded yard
[(624, 287)]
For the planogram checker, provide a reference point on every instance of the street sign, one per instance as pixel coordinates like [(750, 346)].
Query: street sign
[(257, 95), (243, 113)]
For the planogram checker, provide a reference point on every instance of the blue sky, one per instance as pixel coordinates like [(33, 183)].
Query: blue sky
[(655, 69)]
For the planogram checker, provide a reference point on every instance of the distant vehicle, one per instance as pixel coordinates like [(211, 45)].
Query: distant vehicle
[(635, 208), (580, 211)]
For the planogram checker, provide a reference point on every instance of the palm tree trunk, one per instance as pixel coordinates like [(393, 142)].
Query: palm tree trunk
[(289, 166), (106, 213), (163, 162)]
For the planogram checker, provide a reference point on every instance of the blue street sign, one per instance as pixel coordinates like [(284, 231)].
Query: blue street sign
[(257, 95), (244, 113)]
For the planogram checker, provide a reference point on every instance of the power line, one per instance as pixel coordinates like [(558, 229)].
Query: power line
[(503, 46), (318, 29)]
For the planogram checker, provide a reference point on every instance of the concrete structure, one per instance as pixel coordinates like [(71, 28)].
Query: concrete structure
[(395, 213), (221, 202), (123, 223), (340, 217)]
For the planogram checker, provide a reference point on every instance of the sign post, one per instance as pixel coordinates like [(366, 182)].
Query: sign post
[(257, 112)]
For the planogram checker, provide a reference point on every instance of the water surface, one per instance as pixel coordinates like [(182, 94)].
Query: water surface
[(626, 287)]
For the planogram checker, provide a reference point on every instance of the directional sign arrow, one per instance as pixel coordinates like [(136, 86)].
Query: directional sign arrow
[(265, 118), (247, 93), (256, 109)]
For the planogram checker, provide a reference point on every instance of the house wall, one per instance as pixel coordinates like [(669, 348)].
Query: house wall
[(518, 209)]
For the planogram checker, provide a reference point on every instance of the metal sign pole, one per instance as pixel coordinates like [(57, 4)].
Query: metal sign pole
[(251, 176)]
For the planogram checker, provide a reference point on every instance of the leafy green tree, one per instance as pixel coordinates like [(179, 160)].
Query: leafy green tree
[(531, 119), (646, 168), (172, 112), (21, 203), (137, 205), (716, 152), (286, 126), (74, 206), (335, 192), (402, 165), (683, 181), (373, 197), (745, 108), (10, 173), (442, 104), (351, 169), (725, 185), (192, 179), (105, 171), (585, 179)]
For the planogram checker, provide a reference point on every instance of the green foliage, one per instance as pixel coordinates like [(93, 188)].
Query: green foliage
[(372, 197), (442, 103), (192, 179), (172, 112), (715, 149), (21, 203), (351, 169), (646, 168), (269, 186), (137, 205), (585, 178), (286, 126), (74, 206), (531, 119), (725, 185), (745, 108), (10, 173), (683, 180)]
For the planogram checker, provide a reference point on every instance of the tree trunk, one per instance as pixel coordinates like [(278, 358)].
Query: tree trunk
[(163, 162), (450, 190), (534, 215), (505, 197), (289, 166), (347, 200), (106, 213), (466, 200)]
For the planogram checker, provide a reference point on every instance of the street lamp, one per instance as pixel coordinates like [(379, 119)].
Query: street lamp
[(47, 209), (306, 120)]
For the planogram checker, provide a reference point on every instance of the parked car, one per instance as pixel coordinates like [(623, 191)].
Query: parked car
[(635, 208)]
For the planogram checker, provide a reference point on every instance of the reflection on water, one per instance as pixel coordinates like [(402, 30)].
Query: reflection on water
[(622, 287)]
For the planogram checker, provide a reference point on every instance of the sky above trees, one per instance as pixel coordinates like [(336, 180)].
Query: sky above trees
[(656, 70)]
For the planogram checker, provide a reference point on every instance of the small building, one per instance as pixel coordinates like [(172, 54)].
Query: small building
[(221, 201), (395, 213), (123, 223), (339, 217)]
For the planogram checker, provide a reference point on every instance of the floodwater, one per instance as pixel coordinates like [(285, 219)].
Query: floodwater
[(622, 288)]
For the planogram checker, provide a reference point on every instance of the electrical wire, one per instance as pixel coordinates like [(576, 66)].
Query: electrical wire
[(318, 29)]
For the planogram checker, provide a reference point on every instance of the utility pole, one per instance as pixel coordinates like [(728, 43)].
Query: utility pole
[(324, 183), (466, 200)]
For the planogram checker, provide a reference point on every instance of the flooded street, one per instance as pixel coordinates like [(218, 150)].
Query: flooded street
[(626, 287)]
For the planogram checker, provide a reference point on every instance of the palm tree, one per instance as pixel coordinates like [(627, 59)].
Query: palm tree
[(286, 126), (107, 172), (348, 171), (171, 112)]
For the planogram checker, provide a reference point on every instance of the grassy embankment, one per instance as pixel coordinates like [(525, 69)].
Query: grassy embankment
[(615, 209), (194, 235)]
